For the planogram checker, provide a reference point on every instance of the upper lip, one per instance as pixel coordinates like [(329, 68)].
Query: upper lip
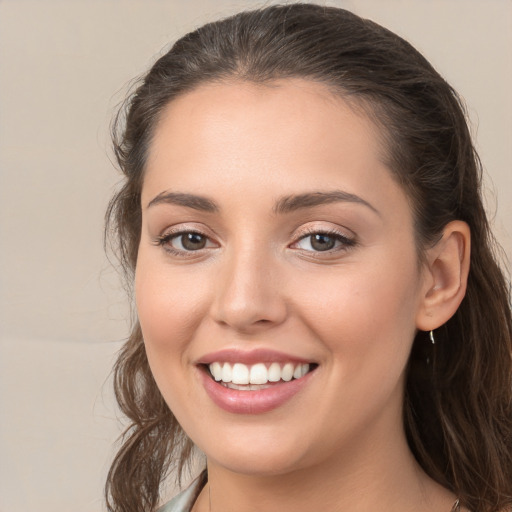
[(260, 355)]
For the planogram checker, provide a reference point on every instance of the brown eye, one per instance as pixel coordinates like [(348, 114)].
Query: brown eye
[(185, 242), (189, 241), (318, 242), (322, 242)]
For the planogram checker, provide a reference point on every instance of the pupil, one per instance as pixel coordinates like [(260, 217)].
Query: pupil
[(322, 242), (193, 241)]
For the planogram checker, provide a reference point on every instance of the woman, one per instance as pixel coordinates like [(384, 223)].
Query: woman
[(320, 310)]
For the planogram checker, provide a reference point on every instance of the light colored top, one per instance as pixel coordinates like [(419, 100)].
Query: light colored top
[(185, 500)]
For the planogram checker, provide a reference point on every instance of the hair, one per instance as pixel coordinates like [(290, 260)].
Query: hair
[(457, 409)]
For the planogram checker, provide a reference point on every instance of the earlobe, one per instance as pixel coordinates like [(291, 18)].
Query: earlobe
[(446, 273)]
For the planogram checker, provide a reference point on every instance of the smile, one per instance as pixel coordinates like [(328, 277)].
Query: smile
[(257, 376), (254, 382)]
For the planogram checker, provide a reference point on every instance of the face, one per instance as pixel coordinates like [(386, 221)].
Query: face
[(277, 282)]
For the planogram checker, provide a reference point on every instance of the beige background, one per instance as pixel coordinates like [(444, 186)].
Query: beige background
[(64, 65)]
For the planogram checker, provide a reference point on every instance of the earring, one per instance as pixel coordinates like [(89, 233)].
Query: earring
[(433, 341)]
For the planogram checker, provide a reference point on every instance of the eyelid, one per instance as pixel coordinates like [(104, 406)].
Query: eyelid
[(313, 228), (347, 241), (187, 227), (163, 240)]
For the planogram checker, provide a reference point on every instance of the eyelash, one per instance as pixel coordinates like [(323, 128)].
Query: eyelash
[(165, 239), (345, 242)]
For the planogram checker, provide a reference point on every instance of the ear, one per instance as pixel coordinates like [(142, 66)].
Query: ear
[(445, 276)]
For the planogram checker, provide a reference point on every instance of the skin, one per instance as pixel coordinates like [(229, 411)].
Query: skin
[(339, 444)]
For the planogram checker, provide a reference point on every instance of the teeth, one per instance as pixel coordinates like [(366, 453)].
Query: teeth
[(216, 370), (250, 387), (226, 373), (240, 374), (274, 373), (258, 374), (287, 373)]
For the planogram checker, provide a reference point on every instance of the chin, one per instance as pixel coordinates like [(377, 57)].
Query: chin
[(263, 453), (258, 465)]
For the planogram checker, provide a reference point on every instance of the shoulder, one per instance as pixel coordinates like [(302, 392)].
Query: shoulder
[(184, 501)]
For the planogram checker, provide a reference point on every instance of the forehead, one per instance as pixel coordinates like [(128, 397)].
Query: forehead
[(289, 136), (290, 106)]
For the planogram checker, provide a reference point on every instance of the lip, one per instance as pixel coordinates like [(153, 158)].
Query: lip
[(256, 401), (249, 357)]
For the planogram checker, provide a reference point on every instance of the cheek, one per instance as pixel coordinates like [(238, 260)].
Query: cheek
[(169, 305), (367, 323), (365, 316), (169, 308)]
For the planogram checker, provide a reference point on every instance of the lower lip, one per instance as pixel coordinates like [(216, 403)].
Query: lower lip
[(252, 402)]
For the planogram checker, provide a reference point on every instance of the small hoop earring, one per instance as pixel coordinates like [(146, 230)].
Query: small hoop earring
[(432, 338)]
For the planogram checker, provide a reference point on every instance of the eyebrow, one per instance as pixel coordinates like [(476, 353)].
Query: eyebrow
[(188, 200), (283, 205), (292, 203)]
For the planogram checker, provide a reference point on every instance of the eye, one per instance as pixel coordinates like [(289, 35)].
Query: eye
[(185, 241), (323, 242), (189, 241)]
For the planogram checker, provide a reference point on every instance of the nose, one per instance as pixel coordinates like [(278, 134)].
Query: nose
[(248, 296)]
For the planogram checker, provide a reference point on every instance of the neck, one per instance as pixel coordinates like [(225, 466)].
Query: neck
[(384, 476)]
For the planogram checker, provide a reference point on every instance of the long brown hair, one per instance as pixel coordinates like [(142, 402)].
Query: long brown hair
[(457, 410)]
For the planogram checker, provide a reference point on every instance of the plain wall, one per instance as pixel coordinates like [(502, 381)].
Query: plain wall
[(64, 65)]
